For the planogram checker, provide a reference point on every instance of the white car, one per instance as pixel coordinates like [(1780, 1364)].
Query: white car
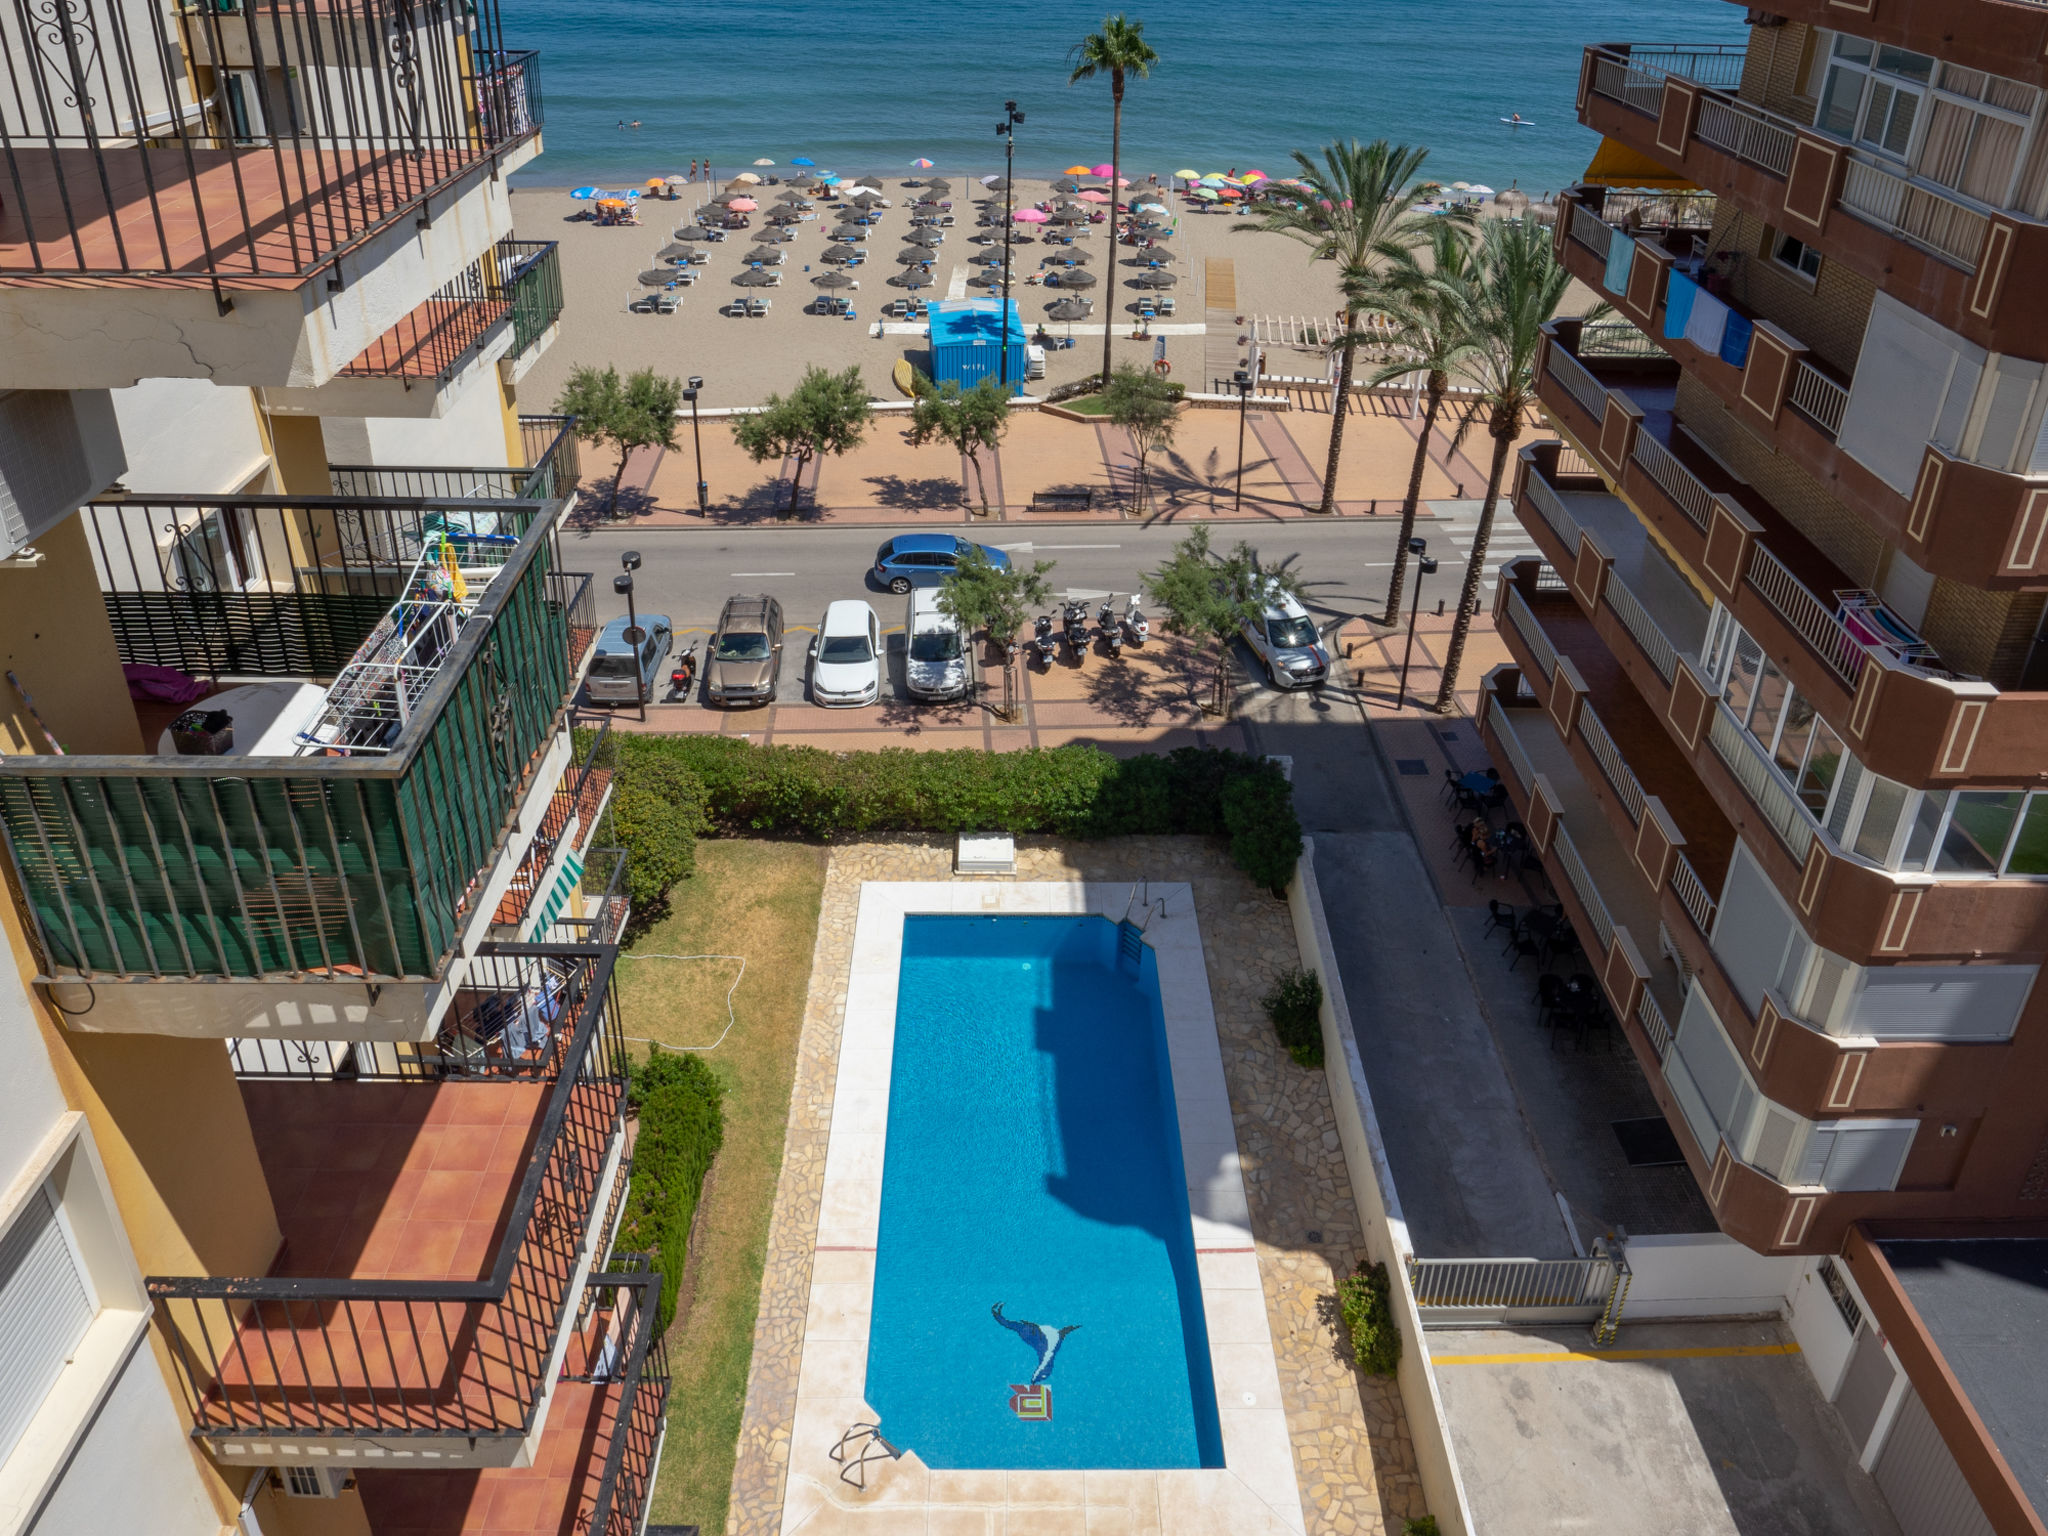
[(937, 664), (846, 658), (1287, 643)]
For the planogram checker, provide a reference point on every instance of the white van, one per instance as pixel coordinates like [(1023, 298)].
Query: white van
[(938, 662)]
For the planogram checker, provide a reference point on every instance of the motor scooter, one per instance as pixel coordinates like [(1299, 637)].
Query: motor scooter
[(1135, 627), (1043, 641), (683, 678), (1075, 624), (1110, 628)]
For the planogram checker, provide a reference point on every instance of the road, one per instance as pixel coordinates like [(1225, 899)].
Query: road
[(688, 574)]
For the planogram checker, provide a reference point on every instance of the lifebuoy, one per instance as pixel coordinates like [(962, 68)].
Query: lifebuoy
[(1161, 367)]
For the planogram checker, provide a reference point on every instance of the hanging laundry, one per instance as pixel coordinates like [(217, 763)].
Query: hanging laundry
[(1621, 255), (1707, 323), (1678, 302), (456, 584), (1735, 340)]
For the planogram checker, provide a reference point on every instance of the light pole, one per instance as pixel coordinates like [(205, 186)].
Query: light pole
[(1006, 130), (1242, 379), (635, 635), (1425, 567), (703, 490)]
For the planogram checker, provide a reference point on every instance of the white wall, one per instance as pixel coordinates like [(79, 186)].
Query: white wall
[(1816, 1323), (471, 433), (30, 1100), (1705, 1274), (186, 435), (133, 1471)]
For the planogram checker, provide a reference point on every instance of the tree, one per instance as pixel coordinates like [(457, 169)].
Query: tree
[(825, 413), (638, 413), (1502, 301), (1120, 51), (967, 420), (1359, 210), (1210, 596), (1429, 331), (992, 598), (1145, 406)]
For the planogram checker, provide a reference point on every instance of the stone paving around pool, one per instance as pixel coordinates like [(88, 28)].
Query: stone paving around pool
[(1353, 1462)]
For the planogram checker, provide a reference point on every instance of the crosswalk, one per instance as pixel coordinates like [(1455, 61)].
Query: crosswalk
[(1455, 522)]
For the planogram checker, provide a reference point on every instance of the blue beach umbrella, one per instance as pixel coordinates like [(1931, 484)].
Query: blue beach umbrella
[(802, 160), (586, 193)]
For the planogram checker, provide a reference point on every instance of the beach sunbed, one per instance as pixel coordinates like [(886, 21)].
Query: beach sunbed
[(667, 303)]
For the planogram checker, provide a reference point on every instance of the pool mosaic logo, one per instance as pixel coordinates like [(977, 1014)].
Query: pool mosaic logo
[(1032, 1400)]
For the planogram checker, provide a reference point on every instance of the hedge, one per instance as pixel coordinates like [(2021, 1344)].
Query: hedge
[(1295, 1005), (656, 812), (1366, 1300), (682, 1126), (1072, 791)]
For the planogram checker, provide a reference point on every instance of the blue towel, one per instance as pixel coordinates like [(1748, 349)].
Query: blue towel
[(1735, 339), (1621, 254), (1678, 299)]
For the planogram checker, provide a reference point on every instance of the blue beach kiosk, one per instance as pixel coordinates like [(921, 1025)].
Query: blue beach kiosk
[(967, 341)]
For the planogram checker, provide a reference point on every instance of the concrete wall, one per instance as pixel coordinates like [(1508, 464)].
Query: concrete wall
[(472, 432), (1705, 1274), (1379, 1206), (55, 636), (1816, 1323), (186, 436)]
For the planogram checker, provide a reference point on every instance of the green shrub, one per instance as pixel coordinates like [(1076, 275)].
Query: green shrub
[(1424, 1525), (656, 812), (1074, 791), (1366, 1300), (682, 1125), (1295, 1006)]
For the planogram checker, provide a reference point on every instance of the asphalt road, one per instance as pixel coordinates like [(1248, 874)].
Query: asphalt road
[(688, 574)]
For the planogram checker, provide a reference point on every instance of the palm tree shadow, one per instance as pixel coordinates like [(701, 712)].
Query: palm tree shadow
[(932, 493), (1145, 687)]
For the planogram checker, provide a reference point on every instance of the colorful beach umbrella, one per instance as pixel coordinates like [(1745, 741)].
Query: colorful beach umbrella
[(1103, 170), (1209, 194), (1030, 216), (1150, 208), (743, 205), (921, 165), (1079, 170), (764, 162), (1187, 175), (1254, 176), (749, 178), (803, 160), (584, 194), (1094, 197)]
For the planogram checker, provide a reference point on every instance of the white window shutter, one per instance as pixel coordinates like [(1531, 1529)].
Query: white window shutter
[(45, 1309)]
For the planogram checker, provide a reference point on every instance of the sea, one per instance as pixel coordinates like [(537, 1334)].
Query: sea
[(873, 85)]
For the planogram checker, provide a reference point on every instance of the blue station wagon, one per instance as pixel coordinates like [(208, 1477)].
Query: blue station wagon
[(923, 559)]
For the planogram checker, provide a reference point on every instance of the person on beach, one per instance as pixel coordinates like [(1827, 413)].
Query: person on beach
[(693, 172)]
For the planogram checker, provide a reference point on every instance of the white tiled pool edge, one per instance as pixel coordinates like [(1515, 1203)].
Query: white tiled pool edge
[(1256, 1488)]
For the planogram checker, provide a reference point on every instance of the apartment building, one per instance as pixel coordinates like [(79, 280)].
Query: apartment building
[(1775, 717), (312, 1134)]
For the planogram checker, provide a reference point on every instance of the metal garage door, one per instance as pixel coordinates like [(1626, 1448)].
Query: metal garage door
[(1922, 1481)]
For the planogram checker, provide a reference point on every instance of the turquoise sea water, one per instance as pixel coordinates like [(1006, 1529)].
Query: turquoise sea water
[(1033, 1163), (870, 87)]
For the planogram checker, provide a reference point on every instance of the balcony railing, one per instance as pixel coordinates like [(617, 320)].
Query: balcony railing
[(1591, 230), (1674, 479), (1552, 507), (1637, 621), (225, 143), (314, 1358), (1659, 210), (639, 1367), (1531, 633), (1650, 1014), (1616, 339), (1578, 383), (554, 467), (518, 285), (1916, 210), (531, 271), (1582, 884), (1811, 619), (572, 808), (1517, 754), (320, 867), (1762, 138), (1693, 894), (1759, 780), (1613, 766), (1819, 397)]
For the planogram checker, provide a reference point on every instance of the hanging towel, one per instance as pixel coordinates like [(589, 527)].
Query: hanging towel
[(1621, 254), (1707, 323), (1735, 339), (1678, 300)]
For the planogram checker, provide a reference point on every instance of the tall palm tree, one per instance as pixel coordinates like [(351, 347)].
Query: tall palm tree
[(1505, 297), (1359, 209), (1432, 339), (1120, 51)]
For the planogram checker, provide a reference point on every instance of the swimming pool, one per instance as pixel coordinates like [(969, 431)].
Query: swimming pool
[(1032, 1183)]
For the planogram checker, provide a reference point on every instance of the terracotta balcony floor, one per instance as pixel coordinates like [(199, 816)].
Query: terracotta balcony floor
[(301, 203), (430, 341)]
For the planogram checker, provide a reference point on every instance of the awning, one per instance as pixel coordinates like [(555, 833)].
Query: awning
[(566, 882), (1616, 165)]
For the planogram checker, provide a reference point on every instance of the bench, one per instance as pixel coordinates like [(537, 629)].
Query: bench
[(1063, 500)]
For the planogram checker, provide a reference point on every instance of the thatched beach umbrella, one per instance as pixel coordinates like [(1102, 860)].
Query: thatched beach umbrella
[(1076, 255), (790, 195), (659, 277), (1513, 201), (1066, 184), (1079, 278), (693, 232), (987, 258), (773, 237), (925, 237), (912, 278), (838, 256), (995, 183), (986, 280), (1074, 215), (939, 184), (832, 280), (1068, 310), (914, 256), (755, 277), (675, 252), (1155, 280)]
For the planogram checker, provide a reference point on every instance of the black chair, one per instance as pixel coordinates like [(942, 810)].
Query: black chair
[(1461, 834), (1450, 786), (1468, 802), (1525, 948), (1551, 998), (1562, 944), (1500, 915), (1495, 797)]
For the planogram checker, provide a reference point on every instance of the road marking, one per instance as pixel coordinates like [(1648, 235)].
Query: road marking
[(1080, 546), (1574, 1356), (761, 573)]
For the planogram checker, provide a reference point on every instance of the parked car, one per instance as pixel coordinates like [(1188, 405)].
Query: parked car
[(938, 663), (846, 656), (624, 673), (923, 559), (1287, 644), (744, 659)]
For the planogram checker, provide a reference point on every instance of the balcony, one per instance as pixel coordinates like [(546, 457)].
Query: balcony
[(2007, 37), (553, 470), (1911, 720), (207, 175), (1972, 523), (594, 1466), (554, 862), (1967, 265), (441, 1205), (349, 852)]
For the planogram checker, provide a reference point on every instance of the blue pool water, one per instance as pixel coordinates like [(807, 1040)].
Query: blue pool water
[(1034, 1162)]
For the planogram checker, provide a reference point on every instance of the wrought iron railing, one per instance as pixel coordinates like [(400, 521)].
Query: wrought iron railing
[(564, 821), (1685, 488), (309, 868), (607, 907), (1575, 871), (1819, 397), (1620, 777), (1660, 210), (552, 469), (1531, 633), (1693, 894), (1809, 618), (518, 285), (633, 1364), (221, 142), (531, 271), (1616, 338), (1635, 618), (1510, 1283), (316, 1358), (1781, 808)]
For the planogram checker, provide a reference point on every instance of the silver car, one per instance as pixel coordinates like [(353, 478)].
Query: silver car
[(937, 663), (1287, 644)]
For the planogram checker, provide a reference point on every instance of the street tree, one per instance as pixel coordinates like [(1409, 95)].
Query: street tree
[(827, 413), (1209, 597), (968, 421), (994, 599), (637, 412), (1148, 408)]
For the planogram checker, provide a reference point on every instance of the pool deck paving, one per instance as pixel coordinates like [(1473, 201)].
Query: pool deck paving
[(1353, 1462)]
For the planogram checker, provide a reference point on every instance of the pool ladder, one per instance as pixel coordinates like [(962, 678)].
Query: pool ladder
[(1130, 932), (856, 1448)]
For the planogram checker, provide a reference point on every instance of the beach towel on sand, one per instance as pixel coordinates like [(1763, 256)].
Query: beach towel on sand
[(1621, 254), (1678, 301)]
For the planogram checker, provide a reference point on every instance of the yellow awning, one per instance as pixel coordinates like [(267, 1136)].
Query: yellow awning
[(1616, 165)]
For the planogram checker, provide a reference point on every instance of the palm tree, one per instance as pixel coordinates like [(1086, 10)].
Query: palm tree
[(1359, 209), (1432, 342), (1502, 300), (1120, 51)]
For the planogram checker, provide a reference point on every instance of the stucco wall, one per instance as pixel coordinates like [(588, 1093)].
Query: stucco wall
[(189, 436)]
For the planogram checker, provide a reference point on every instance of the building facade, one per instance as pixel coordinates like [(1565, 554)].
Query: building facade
[(312, 1137)]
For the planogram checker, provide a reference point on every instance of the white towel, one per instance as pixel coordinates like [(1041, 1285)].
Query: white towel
[(1709, 319)]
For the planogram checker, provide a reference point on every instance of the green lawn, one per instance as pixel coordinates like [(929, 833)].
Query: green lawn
[(1086, 405), (760, 900)]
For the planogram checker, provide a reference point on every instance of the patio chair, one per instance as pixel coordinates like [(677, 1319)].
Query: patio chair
[(1551, 999), (1467, 801), (1500, 915), (1450, 787), (1524, 949)]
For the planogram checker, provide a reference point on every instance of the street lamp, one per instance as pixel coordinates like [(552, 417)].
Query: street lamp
[(703, 490), (634, 635), (1006, 130), (1426, 567), (1242, 382)]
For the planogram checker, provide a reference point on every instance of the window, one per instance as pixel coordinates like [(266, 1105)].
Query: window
[(46, 1305), (1856, 1154), (1797, 255)]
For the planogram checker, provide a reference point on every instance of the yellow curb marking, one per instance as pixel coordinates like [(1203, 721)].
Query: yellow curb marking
[(1565, 1356)]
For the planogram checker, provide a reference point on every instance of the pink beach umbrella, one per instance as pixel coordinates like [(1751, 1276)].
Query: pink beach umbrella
[(743, 205), (1092, 196), (1030, 215), (1103, 170)]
